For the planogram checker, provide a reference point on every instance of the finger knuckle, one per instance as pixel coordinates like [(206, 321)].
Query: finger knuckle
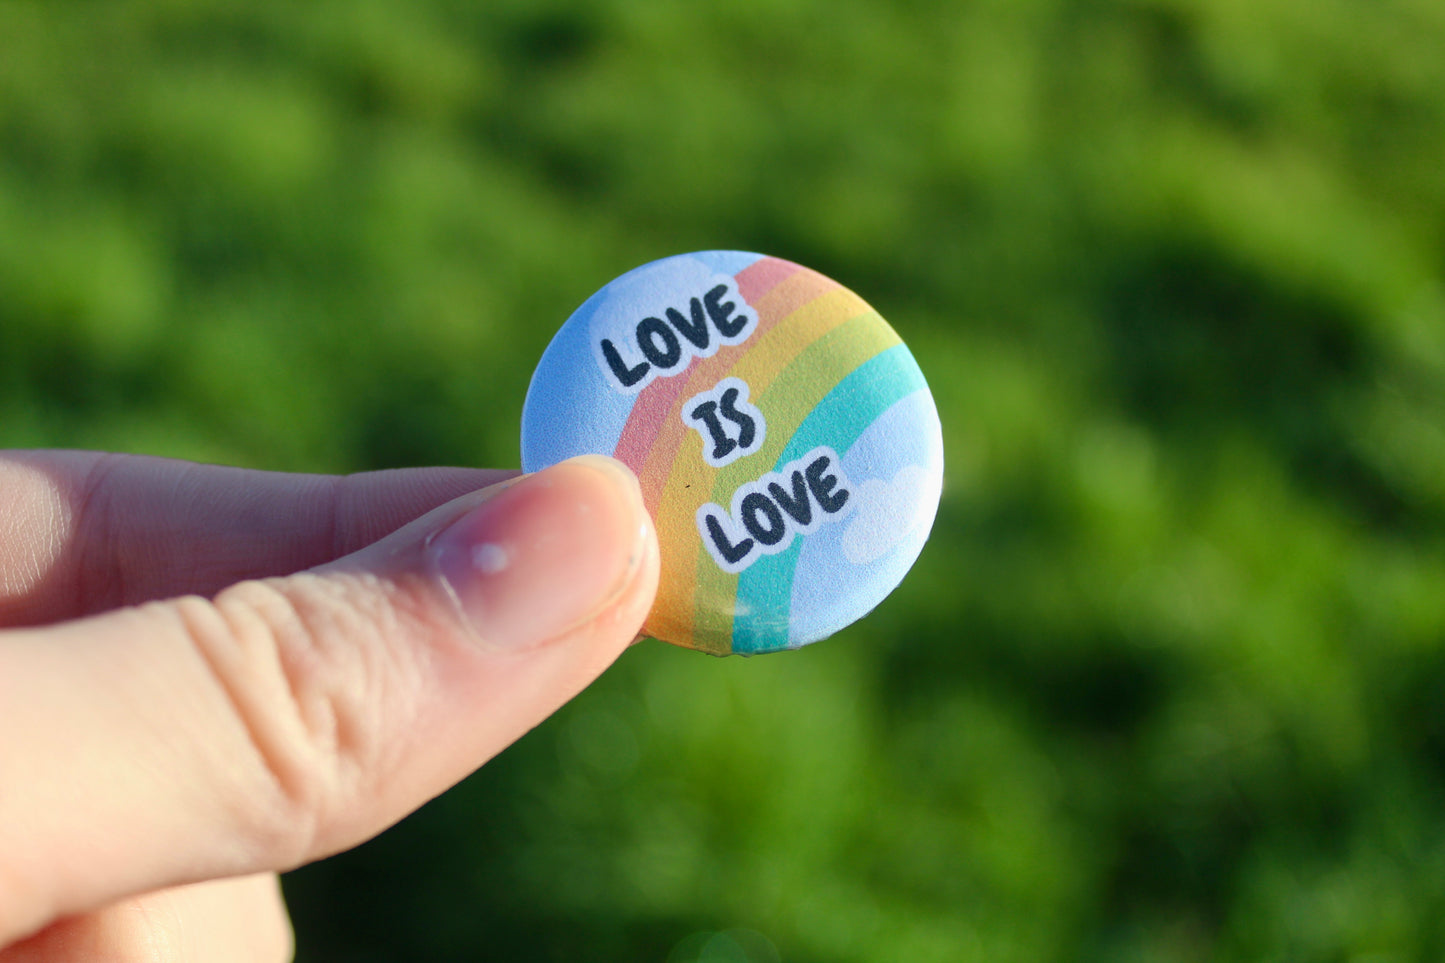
[(306, 667)]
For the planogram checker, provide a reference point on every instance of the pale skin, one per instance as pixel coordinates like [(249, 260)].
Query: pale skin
[(210, 675)]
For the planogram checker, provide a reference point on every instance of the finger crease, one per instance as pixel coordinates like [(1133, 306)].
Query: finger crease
[(223, 638), (95, 576)]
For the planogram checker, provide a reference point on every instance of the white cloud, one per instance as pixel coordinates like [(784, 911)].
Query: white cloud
[(887, 512)]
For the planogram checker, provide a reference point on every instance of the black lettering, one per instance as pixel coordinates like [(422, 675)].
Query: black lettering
[(755, 504), (628, 376), (648, 331), (822, 485), (707, 414), (694, 330), (722, 314), (747, 426), (795, 504), (732, 553)]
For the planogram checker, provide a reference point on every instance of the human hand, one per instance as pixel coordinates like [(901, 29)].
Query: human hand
[(181, 718)]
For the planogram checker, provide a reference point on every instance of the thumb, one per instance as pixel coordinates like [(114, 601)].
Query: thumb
[(291, 718)]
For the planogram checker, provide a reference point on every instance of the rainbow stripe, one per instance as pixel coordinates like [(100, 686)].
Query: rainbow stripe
[(822, 365)]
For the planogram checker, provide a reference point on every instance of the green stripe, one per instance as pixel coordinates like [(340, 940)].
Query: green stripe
[(796, 391), (837, 421)]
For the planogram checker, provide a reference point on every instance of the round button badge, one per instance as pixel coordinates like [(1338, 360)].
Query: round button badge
[(787, 445)]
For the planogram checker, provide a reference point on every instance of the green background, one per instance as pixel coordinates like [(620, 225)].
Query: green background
[(1166, 683)]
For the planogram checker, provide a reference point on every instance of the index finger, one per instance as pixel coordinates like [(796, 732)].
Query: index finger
[(83, 532), (287, 719)]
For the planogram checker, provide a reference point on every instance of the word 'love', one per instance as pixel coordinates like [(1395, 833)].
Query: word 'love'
[(767, 513), (668, 347)]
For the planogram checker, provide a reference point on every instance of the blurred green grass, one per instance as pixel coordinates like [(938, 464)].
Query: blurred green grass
[(1165, 685)]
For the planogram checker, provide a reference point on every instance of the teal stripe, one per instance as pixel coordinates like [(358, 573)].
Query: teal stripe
[(856, 402)]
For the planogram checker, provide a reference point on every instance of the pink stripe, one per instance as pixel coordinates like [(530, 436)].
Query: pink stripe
[(763, 275), (654, 401)]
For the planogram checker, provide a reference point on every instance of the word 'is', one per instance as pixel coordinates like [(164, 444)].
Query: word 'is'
[(731, 427)]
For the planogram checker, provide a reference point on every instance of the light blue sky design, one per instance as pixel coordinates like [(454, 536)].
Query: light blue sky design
[(570, 408), (726, 262)]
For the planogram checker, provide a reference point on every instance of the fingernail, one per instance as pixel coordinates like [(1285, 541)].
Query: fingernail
[(546, 553)]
